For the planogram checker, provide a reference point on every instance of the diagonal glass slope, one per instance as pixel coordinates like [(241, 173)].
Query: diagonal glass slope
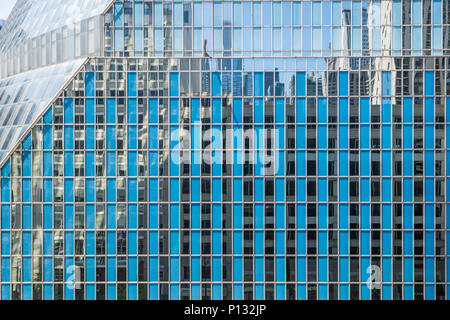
[(25, 96)]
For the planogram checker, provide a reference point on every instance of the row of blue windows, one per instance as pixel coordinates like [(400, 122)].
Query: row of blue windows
[(238, 133), (429, 186), (258, 158), (216, 237), (216, 216), (237, 193), (259, 161), (258, 134), (280, 268), (237, 113), (301, 85), (195, 290)]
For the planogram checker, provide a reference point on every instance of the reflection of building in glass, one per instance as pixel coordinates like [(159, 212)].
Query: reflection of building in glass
[(224, 150)]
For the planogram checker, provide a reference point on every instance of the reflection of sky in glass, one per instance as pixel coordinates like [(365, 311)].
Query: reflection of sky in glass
[(6, 8)]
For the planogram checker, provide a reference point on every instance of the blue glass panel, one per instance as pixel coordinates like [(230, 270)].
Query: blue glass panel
[(343, 242), (132, 137), (237, 242), (259, 243), (301, 269), (386, 110), (90, 137), (48, 190), (111, 216), (111, 269), (195, 263), (408, 243), (429, 83), (237, 269), (174, 269), (68, 244), (301, 110), (386, 163), (259, 216), (90, 84), (90, 244), (429, 109), (216, 269), (407, 160), (300, 139), (407, 109), (343, 84), (301, 242), (26, 190), (68, 111), (132, 163), (68, 137), (48, 116), (153, 190), (259, 84), (111, 164), (68, 164), (237, 190), (216, 84), (26, 144), (365, 136), (301, 216), (386, 83), (132, 216), (68, 190), (153, 110), (90, 111), (174, 216), (111, 242), (343, 163), (216, 242), (280, 216), (429, 136), (301, 83), (343, 136), (429, 163), (174, 111), (343, 110), (279, 110), (429, 189), (132, 190), (215, 112), (322, 110), (26, 167), (174, 81), (6, 243), (343, 269), (48, 137)]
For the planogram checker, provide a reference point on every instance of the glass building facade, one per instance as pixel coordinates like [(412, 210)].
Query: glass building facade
[(225, 150)]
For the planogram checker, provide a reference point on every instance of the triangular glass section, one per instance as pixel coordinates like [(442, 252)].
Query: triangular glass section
[(24, 97)]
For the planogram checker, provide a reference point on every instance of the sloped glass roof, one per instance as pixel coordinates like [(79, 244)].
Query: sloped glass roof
[(32, 18), (24, 97)]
